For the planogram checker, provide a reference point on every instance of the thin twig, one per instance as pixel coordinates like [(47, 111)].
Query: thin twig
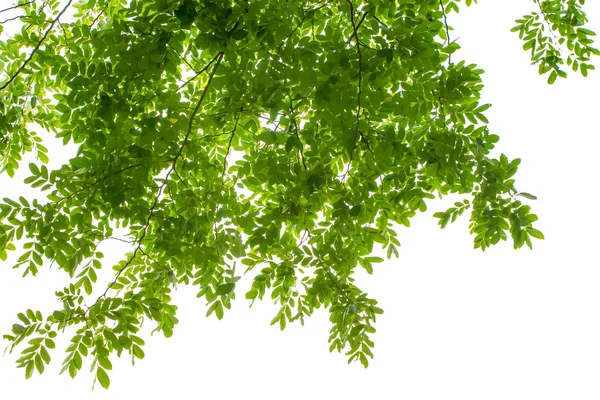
[(97, 17), (335, 283), (183, 59), (296, 130), (307, 15), (17, 6), (99, 181), (207, 66), (447, 30), (11, 19), (360, 76), (546, 19), (228, 149), (354, 32), (364, 139)]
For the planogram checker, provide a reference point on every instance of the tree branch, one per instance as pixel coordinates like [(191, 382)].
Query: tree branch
[(11, 19), (207, 66), (37, 47), (546, 19), (447, 30), (360, 77), (357, 26), (17, 6)]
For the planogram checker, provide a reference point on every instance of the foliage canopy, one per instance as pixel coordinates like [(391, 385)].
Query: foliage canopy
[(287, 136)]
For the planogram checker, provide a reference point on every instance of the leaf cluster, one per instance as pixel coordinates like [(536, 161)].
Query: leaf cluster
[(290, 137)]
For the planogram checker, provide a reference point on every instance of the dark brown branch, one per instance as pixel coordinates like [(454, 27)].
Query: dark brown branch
[(11, 19), (366, 142), (354, 32), (37, 47), (379, 21), (183, 59)]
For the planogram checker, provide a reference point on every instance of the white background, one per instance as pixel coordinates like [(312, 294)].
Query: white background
[(458, 323)]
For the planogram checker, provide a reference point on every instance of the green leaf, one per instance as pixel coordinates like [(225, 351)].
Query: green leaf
[(239, 34), (210, 132), (535, 233), (102, 377), (29, 369), (39, 363), (23, 318), (34, 169), (59, 315), (354, 211), (18, 329), (45, 355), (138, 352), (225, 289), (105, 363), (527, 196)]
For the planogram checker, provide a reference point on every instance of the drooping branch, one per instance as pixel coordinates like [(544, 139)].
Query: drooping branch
[(37, 47), (355, 27), (144, 230), (545, 16)]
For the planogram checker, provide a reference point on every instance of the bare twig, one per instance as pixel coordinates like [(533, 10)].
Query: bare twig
[(17, 6), (11, 19), (379, 21), (183, 59)]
